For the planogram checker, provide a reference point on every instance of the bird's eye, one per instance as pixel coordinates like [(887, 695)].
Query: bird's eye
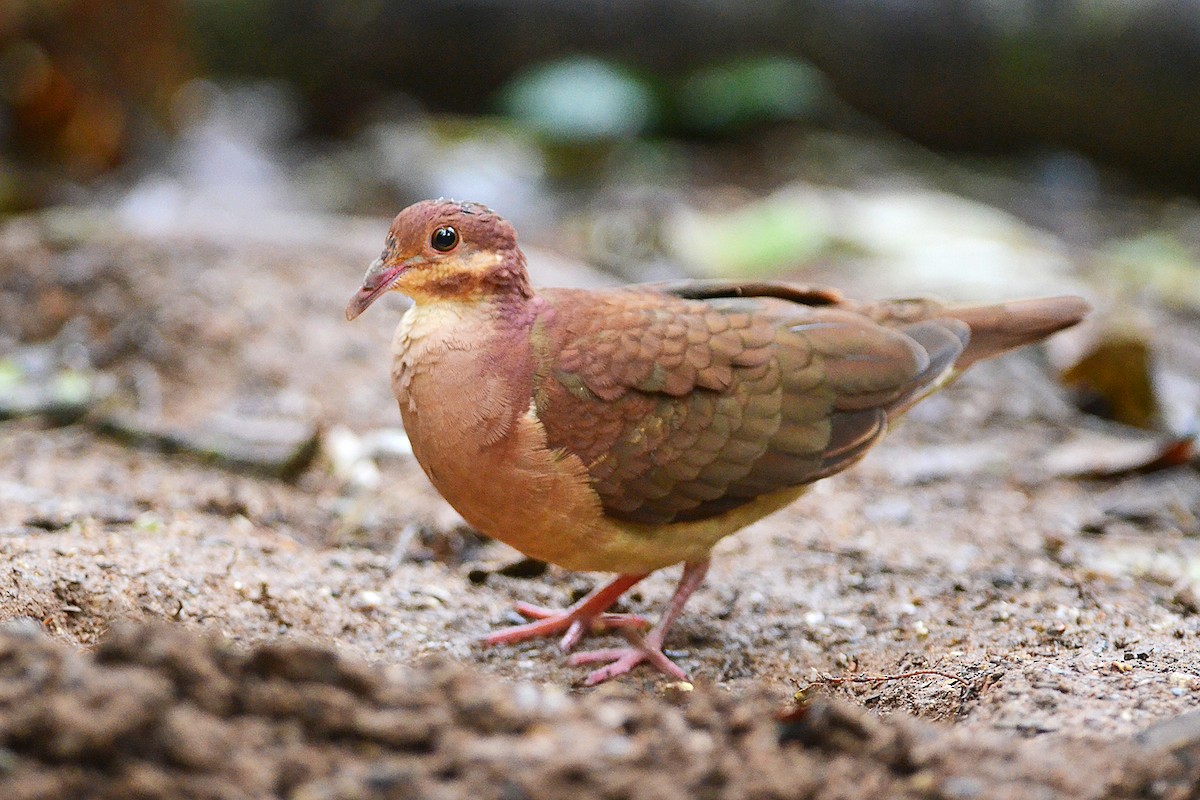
[(444, 239)]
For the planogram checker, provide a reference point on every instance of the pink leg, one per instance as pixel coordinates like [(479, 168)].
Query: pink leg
[(587, 614), (649, 647)]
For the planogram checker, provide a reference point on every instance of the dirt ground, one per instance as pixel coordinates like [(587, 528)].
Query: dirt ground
[(182, 629)]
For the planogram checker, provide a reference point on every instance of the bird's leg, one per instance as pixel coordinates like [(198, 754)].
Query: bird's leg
[(648, 647), (586, 614)]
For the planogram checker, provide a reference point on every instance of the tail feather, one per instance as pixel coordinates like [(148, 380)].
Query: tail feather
[(944, 339), (1001, 327)]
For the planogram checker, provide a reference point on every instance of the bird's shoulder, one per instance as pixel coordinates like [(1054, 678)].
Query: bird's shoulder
[(687, 401), (607, 343)]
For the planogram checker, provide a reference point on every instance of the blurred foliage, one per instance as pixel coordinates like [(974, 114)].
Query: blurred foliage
[(85, 83), (580, 99), (80, 81), (759, 239), (1113, 380), (583, 98), (1156, 263), (741, 93), (1114, 80)]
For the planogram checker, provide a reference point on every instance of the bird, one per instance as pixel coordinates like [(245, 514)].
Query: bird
[(630, 429)]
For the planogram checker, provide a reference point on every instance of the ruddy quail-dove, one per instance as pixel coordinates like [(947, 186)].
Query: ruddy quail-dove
[(625, 430)]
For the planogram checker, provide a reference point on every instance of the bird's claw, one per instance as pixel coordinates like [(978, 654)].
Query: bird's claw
[(601, 624), (597, 624), (624, 659), (550, 621)]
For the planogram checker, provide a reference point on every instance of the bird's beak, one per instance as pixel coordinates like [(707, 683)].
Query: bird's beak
[(381, 276)]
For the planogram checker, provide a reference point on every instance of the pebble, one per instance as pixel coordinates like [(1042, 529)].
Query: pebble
[(611, 716), (1183, 680), (617, 747), (962, 788), (366, 600), (890, 509), (436, 592), (23, 627)]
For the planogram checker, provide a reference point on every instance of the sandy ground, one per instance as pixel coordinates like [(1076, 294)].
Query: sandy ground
[(333, 629)]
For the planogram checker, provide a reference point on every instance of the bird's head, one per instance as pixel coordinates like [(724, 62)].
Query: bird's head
[(439, 250)]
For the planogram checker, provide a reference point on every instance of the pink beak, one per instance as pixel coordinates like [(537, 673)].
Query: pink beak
[(380, 278)]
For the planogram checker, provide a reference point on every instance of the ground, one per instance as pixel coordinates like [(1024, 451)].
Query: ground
[(180, 628)]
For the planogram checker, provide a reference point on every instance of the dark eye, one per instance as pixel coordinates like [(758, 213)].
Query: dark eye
[(444, 239)]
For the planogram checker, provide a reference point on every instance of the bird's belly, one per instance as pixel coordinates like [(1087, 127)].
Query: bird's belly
[(514, 489), (490, 460), (542, 502)]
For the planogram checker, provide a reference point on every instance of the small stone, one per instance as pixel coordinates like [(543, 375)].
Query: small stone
[(275, 445), (1186, 601), (436, 592), (366, 600), (962, 788), (1182, 679), (896, 510), (26, 628), (616, 747)]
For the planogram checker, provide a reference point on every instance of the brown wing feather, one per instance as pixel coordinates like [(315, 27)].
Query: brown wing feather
[(685, 401)]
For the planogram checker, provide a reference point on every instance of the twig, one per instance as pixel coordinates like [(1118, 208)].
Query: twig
[(829, 680), (970, 689)]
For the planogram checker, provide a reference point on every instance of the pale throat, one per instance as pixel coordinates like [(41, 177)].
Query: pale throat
[(467, 367), (454, 279)]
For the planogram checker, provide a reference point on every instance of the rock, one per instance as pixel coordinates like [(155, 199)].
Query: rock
[(278, 446), (61, 394)]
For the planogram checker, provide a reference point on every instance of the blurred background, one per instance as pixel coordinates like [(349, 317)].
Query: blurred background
[(1051, 110), (968, 148), (190, 191), (1080, 118)]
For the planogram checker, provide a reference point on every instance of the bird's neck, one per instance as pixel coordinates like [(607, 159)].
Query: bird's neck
[(467, 364), (490, 278), (495, 324), (480, 317)]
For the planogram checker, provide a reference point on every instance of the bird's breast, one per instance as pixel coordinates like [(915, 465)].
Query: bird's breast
[(466, 400), (465, 394)]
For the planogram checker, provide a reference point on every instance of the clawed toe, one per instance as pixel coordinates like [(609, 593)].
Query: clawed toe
[(624, 659), (600, 624), (550, 622), (589, 614)]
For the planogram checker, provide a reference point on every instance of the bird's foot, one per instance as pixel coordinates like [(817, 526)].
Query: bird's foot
[(588, 614), (647, 648), (574, 621), (623, 659)]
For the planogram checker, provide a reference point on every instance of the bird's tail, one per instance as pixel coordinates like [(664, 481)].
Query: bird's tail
[(1001, 327), (955, 337)]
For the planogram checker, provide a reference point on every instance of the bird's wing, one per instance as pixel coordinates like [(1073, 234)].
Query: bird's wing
[(687, 400)]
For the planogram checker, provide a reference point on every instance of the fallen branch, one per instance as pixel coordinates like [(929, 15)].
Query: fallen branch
[(829, 680)]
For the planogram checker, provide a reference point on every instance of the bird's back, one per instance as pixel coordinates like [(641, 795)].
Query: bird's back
[(687, 400)]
